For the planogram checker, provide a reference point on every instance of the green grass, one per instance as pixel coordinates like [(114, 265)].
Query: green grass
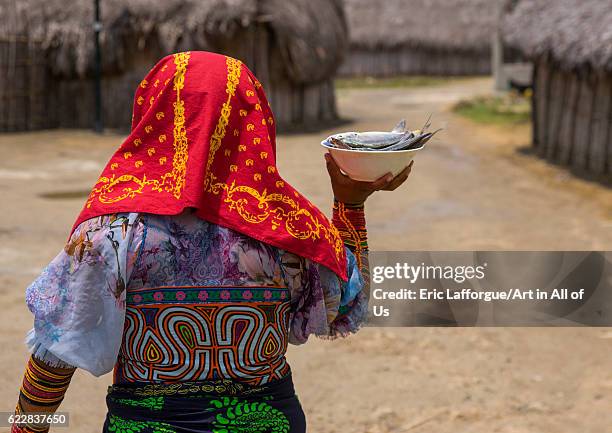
[(407, 81), (510, 109)]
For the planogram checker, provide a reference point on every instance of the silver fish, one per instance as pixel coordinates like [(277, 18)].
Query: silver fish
[(372, 139), (417, 142), (405, 144), (398, 139), (338, 143)]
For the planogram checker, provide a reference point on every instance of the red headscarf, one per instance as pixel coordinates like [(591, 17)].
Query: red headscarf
[(203, 136)]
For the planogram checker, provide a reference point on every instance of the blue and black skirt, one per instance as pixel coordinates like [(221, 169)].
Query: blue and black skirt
[(222, 406)]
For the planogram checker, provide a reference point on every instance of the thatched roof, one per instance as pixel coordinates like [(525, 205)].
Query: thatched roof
[(312, 33), (441, 24), (573, 32)]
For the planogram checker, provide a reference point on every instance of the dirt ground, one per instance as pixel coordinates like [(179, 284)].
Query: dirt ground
[(470, 189)]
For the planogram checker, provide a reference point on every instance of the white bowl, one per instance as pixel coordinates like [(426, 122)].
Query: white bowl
[(370, 165)]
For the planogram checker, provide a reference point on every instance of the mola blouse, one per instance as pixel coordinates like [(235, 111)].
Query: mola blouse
[(175, 298)]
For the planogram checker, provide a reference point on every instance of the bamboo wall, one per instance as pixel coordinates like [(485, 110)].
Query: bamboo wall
[(415, 61), (73, 100), (23, 85), (573, 117), (31, 99)]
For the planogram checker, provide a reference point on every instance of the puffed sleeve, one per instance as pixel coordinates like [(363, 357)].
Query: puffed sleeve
[(78, 301), (322, 303)]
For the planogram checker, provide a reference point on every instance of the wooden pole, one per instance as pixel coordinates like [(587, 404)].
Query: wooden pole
[(497, 60), (98, 125), (497, 54)]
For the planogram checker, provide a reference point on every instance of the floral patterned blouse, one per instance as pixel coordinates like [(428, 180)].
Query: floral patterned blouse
[(175, 298)]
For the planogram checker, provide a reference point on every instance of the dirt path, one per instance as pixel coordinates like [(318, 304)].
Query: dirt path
[(469, 190)]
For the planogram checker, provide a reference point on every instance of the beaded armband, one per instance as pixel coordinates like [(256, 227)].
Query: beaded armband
[(350, 222), (42, 390)]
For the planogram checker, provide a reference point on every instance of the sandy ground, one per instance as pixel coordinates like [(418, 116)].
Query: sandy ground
[(471, 189)]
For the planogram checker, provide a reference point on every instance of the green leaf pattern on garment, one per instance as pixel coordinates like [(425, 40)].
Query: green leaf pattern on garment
[(153, 403), (248, 417), (123, 425)]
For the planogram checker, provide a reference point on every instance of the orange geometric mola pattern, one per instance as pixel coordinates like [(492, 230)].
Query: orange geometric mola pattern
[(203, 136)]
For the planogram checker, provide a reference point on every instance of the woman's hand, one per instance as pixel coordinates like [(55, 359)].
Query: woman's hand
[(352, 191)]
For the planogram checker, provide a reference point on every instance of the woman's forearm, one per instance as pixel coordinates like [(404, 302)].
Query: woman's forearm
[(42, 390), (350, 222)]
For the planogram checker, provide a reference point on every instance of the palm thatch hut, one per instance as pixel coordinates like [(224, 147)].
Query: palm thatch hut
[(22, 76), (429, 37), (293, 47), (570, 44)]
